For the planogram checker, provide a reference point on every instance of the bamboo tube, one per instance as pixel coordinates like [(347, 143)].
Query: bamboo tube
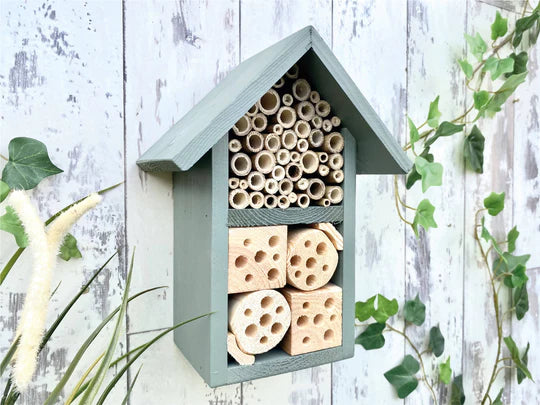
[(259, 122), (238, 198), (286, 117), (278, 173), (283, 156), (242, 126), (235, 145), (302, 184), (336, 121), (303, 200), (234, 182), (271, 186), (285, 186), (253, 110), (335, 161), (316, 189), (289, 139), (264, 161), (243, 184), (309, 161), (253, 142), (316, 122), (269, 102), (323, 157), (256, 181), (325, 202), (279, 84), (302, 129), (276, 129), (293, 72), (295, 156), (293, 171), (272, 142), (335, 176), (334, 194), (270, 201), (302, 145), (292, 197), (287, 99), (333, 143), (322, 108), (305, 110), (314, 97), (327, 126), (256, 199), (316, 138), (323, 170), (283, 202), (301, 89), (240, 164)]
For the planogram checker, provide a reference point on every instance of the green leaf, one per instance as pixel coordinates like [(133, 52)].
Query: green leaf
[(494, 203), (498, 66), (466, 67), (434, 114), (128, 393), (518, 277), (498, 398), (385, 308), (413, 133), (445, 372), (477, 45), (11, 223), (69, 248), (424, 216), (514, 353), (521, 301), (489, 238), (415, 311), (436, 341), (524, 360), (28, 164), (481, 99), (512, 237), (445, 129), (413, 175), (402, 377), (499, 28), (520, 63), (431, 173), (507, 263), (504, 92), (473, 150), (372, 338), (364, 310), (522, 25), (4, 190), (457, 396)]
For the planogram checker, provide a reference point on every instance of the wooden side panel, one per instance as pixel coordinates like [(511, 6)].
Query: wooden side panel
[(293, 215)]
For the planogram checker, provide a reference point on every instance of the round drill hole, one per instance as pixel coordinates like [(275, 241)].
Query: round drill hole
[(265, 320), (305, 340), (333, 317), (247, 242), (305, 305), (311, 262), (329, 334), (295, 260), (303, 320), (329, 303), (310, 280), (266, 302), (273, 241), (251, 330), (297, 274), (325, 267), (248, 277), (263, 340), (273, 274), (307, 243), (279, 310), (259, 256), (276, 257), (248, 312), (321, 248), (240, 261), (276, 328), (318, 319)]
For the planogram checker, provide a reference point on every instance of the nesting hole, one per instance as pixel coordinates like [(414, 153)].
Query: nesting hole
[(273, 143), (297, 274), (248, 278), (266, 302), (318, 319), (265, 320), (265, 160), (276, 257), (329, 334), (240, 261), (263, 340), (296, 260), (276, 328), (260, 256), (302, 320), (279, 310), (251, 330), (248, 312), (321, 248), (305, 305), (286, 116), (305, 340), (247, 242), (255, 142), (269, 101), (273, 274), (253, 109), (333, 317), (325, 267), (242, 124), (273, 241), (311, 262), (303, 129), (329, 303), (310, 280)]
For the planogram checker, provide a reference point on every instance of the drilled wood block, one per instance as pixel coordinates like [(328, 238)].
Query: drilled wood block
[(242, 358), (257, 258), (259, 320), (311, 259), (332, 233), (316, 318)]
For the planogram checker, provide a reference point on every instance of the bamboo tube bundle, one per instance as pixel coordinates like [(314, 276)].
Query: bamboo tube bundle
[(269, 103), (289, 139), (278, 173), (285, 186), (242, 126), (253, 142), (303, 201), (259, 122), (283, 157), (323, 157), (271, 186), (270, 201), (272, 142), (256, 181), (293, 171), (235, 145), (283, 202)]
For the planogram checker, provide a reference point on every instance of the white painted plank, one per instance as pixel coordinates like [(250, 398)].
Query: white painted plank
[(368, 49)]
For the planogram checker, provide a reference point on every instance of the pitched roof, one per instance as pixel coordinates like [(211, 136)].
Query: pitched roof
[(197, 131)]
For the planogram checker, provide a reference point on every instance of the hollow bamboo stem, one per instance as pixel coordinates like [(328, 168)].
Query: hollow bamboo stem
[(322, 108), (301, 89), (335, 161), (316, 189), (289, 139), (256, 181), (272, 142), (240, 164), (316, 138), (335, 176), (235, 145), (234, 182), (283, 157), (256, 199), (259, 122), (305, 110), (334, 194), (286, 117), (285, 186), (293, 171), (309, 161), (253, 142), (242, 126), (302, 129), (303, 200), (269, 103), (270, 201), (239, 198), (264, 161), (333, 143)]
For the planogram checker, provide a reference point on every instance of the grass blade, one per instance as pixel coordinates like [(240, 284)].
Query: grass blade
[(128, 393), (82, 379), (9, 355)]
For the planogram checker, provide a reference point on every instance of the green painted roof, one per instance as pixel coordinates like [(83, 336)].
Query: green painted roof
[(191, 137)]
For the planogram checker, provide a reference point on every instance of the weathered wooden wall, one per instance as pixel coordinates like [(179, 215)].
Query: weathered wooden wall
[(100, 81)]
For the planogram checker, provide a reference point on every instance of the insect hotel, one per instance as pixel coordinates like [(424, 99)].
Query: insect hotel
[(264, 211)]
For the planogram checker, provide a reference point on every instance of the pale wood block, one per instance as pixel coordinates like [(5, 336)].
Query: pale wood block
[(333, 234), (311, 259), (242, 358), (259, 320), (316, 318), (257, 258)]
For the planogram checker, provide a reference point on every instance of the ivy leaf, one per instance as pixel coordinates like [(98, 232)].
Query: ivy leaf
[(431, 173), (494, 203), (521, 301), (489, 238), (385, 309), (402, 377), (498, 399), (28, 164), (514, 353), (11, 223), (523, 24), (457, 396), (512, 237), (4, 190), (413, 133), (434, 114), (69, 248), (413, 175), (424, 216), (445, 372), (466, 67), (499, 28), (473, 150), (518, 277), (436, 341), (507, 263), (364, 310), (481, 99), (504, 92), (445, 129), (498, 66), (524, 359), (372, 338), (520, 63), (477, 45), (415, 311)]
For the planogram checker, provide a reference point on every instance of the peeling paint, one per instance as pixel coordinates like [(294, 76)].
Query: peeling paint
[(23, 74), (181, 32)]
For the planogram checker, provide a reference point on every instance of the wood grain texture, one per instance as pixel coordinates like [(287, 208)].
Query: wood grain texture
[(293, 215)]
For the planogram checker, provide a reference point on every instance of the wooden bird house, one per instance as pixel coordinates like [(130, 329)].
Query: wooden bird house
[(264, 211)]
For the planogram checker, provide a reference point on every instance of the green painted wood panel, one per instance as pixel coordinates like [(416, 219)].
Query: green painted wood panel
[(289, 216)]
